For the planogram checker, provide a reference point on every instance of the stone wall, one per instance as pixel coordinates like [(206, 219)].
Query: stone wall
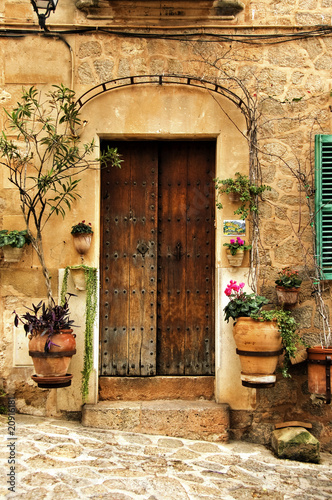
[(287, 85)]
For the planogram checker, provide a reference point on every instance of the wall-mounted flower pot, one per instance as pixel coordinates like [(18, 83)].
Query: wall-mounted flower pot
[(320, 371), (234, 197), (288, 296), (259, 346), (12, 254), (55, 363), (78, 275), (82, 242), (235, 260)]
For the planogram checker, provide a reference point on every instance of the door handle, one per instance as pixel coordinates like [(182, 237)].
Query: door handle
[(142, 248)]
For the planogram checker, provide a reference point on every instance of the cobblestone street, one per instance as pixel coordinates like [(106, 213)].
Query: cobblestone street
[(63, 460)]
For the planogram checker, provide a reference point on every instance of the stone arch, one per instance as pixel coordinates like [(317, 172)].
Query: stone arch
[(165, 79)]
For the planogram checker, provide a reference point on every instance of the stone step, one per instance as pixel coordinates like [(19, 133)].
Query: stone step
[(159, 387), (202, 420)]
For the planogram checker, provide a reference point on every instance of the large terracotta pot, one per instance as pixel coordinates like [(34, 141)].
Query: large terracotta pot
[(54, 363), (259, 346), (287, 295), (235, 260), (82, 242), (320, 371)]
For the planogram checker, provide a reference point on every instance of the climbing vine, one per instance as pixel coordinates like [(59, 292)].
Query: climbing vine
[(91, 282)]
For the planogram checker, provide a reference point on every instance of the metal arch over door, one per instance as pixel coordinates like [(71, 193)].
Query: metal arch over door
[(157, 260)]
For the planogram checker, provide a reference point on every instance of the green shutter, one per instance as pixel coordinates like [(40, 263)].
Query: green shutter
[(323, 200)]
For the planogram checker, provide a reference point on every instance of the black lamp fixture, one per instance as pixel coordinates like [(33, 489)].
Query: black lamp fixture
[(43, 9)]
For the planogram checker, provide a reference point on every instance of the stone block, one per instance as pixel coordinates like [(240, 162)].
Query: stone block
[(296, 443), (202, 420)]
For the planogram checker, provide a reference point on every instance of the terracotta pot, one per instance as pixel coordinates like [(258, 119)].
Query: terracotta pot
[(234, 197), (235, 260), (287, 295), (82, 242), (259, 346), (54, 363), (12, 254), (78, 276), (320, 371)]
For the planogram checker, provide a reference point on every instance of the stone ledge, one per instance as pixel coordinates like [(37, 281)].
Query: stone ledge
[(202, 420)]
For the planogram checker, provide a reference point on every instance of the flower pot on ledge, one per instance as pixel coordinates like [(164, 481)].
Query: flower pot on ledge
[(235, 260), (259, 346), (288, 296), (320, 371)]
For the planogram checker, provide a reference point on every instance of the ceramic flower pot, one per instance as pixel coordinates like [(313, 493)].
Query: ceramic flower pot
[(287, 295), (78, 276), (259, 346), (82, 242), (235, 260), (320, 371), (54, 363), (234, 197), (12, 254)]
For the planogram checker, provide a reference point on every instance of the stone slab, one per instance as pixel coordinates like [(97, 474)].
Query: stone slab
[(203, 420), (152, 388)]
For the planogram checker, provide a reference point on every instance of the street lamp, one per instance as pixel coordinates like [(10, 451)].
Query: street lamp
[(43, 9)]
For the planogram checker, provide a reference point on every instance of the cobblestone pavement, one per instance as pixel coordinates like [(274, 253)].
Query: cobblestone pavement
[(63, 460)]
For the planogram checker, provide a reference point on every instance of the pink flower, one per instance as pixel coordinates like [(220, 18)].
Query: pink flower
[(242, 285), (228, 292), (232, 242), (240, 241)]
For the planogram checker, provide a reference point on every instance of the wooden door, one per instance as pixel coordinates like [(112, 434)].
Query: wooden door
[(157, 260)]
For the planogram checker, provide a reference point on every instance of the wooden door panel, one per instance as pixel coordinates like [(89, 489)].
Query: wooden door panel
[(128, 263), (185, 259)]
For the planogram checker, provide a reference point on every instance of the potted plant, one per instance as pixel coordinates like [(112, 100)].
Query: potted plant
[(82, 234), (288, 285), (260, 336), (235, 251), (12, 243), (51, 341), (241, 190)]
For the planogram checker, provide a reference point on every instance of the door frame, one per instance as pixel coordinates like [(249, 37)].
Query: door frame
[(208, 181)]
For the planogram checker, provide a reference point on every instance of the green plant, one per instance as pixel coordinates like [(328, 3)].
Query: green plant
[(45, 157), (240, 303), (82, 228), (287, 327), (235, 245), (14, 238), (91, 282), (288, 278), (46, 320), (247, 191)]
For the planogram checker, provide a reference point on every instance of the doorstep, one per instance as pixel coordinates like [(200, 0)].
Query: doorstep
[(200, 420)]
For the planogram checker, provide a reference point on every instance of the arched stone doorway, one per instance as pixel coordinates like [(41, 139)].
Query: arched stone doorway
[(174, 112)]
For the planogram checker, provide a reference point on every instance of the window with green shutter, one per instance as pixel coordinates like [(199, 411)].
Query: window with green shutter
[(323, 200)]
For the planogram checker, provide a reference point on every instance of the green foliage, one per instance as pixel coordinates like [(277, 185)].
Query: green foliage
[(287, 327), (82, 228), (288, 278), (14, 238), (46, 158), (247, 191), (91, 282), (241, 303), (235, 245)]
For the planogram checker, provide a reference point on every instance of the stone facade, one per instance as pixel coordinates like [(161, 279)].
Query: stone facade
[(286, 85)]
